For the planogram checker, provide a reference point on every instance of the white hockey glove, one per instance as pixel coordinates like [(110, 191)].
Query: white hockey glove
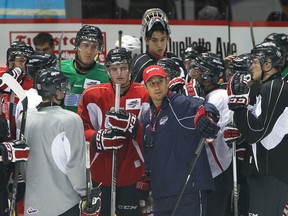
[(238, 91), (123, 121), (108, 139), (14, 151), (93, 209)]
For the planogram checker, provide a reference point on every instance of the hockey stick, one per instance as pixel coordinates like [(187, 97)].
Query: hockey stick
[(114, 159), (235, 184), (252, 32), (18, 90), (192, 165), (120, 38), (60, 50), (88, 178)]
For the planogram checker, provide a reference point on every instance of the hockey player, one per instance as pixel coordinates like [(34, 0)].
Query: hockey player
[(44, 42), (132, 44), (155, 31), (170, 140), (264, 128), (282, 40), (36, 62), (107, 130), (210, 69), (17, 55), (59, 149), (84, 70)]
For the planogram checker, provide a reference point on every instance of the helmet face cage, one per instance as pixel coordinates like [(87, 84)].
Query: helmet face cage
[(152, 12), (38, 61), (118, 56), (171, 67), (267, 50), (19, 48), (50, 81), (160, 24), (211, 66), (90, 33)]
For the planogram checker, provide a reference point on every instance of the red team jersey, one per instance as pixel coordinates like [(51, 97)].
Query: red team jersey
[(96, 101), (26, 84)]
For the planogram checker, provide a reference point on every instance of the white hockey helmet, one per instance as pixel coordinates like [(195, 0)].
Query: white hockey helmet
[(152, 12), (131, 44)]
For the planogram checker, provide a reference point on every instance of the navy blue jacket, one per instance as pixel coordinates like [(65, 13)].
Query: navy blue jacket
[(174, 143)]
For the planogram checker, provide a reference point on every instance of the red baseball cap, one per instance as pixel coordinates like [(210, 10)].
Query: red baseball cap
[(153, 70)]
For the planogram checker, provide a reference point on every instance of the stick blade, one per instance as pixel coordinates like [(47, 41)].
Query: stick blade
[(14, 86)]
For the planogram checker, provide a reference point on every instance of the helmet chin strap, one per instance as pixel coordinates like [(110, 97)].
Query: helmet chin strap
[(81, 66)]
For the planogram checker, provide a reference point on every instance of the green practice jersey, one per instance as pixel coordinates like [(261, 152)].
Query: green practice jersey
[(79, 82)]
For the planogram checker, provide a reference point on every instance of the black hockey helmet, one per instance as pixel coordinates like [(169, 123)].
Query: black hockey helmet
[(239, 64), (118, 56), (170, 66), (266, 50), (49, 81), (19, 48), (211, 66), (280, 38), (90, 33), (38, 61), (149, 14), (192, 51)]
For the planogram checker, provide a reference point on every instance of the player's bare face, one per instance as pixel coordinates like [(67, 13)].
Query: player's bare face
[(195, 73), (87, 50), (19, 61), (255, 69), (157, 88), (120, 74), (46, 48), (158, 43)]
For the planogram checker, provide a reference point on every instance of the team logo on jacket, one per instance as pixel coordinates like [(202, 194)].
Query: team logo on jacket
[(163, 120), (90, 82), (133, 104), (31, 210)]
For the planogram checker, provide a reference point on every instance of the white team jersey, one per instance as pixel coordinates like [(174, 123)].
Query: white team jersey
[(55, 170), (219, 154)]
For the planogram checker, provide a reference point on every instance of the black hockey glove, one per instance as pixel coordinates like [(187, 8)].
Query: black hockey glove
[(14, 151), (194, 89), (108, 139), (206, 123), (232, 134), (144, 194), (123, 121), (93, 209), (238, 91), (176, 85)]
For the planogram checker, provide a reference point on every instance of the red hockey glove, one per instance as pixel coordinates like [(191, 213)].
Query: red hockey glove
[(108, 139), (123, 121), (238, 91), (93, 209), (14, 151), (194, 89), (144, 194), (232, 134), (176, 84), (206, 123)]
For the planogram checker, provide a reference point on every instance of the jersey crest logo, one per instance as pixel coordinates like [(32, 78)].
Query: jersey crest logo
[(90, 82), (133, 104), (163, 120)]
